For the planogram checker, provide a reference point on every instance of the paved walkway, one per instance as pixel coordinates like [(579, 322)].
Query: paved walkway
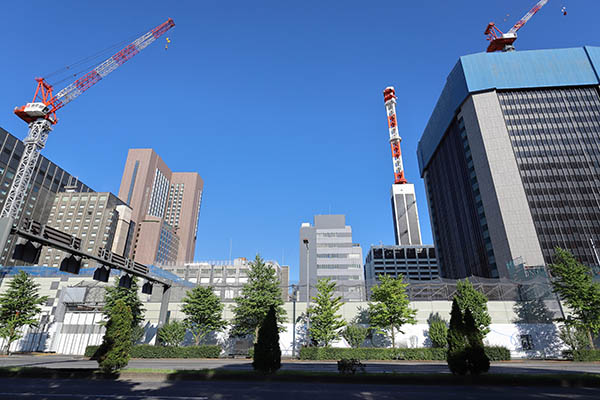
[(512, 367)]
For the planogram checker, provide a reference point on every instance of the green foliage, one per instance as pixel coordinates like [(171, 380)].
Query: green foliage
[(260, 293), (475, 301), (438, 331), (391, 308), (497, 353), (137, 334), (19, 307), (456, 357), (267, 354), (572, 281), (116, 345), (477, 360), (129, 296), (574, 337), (370, 353), (203, 312), (150, 351), (172, 333), (586, 355), (355, 334), (325, 323)]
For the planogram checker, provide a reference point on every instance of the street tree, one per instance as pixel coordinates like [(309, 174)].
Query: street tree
[(267, 353), (467, 297), (131, 299), (19, 307), (203, 312), (390, 310), (572, 281), (477, 360), (262, 291), (115, 350), (325, 323), (457, 343)]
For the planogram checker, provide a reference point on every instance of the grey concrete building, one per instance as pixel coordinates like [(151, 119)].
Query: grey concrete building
[(412, 262), (327, 251), (48, 179), (98, 219), (226, 277), (511, 160)]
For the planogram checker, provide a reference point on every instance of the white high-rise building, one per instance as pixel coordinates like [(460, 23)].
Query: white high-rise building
[(328, 247)]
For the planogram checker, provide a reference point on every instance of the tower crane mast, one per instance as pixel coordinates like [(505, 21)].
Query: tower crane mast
[(389, 96), (504, 41), (40, 114)]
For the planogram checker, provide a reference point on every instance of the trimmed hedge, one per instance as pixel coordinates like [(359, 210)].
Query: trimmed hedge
[(150, 351), (363, 353), (495, 353), (586, 355)]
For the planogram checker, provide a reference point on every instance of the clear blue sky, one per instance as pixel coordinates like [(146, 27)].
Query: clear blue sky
[(278, 105)]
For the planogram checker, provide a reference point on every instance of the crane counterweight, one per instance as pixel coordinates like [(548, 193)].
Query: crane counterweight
[(504, 41)]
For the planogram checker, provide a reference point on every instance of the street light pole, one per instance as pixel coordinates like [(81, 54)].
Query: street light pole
[(294, 296), (307, 293)]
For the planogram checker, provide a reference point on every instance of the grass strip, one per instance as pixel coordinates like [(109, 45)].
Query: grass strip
[(564, 380)]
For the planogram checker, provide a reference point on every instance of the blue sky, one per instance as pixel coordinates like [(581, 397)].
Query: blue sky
[(278, 105)]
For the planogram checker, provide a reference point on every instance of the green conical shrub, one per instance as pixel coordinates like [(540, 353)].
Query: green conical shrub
[(477, 360), (116, 345), (267, 354), (456, 356)]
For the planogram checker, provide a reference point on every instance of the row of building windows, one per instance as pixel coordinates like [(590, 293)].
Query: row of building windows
[(560, 168)]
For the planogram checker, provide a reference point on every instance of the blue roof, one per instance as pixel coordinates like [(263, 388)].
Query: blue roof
[(512, 70)]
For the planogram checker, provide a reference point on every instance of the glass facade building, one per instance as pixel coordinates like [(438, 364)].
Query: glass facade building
[(48, 179), (511, 161)]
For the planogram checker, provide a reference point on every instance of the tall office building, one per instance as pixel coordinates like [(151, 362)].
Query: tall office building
[(98, 219), (165, 207), (511, 160), (48, 179), (331, 254)]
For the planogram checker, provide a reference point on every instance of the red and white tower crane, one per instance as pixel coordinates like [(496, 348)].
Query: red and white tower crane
[(40, 114), (504, 41), (389, 96)]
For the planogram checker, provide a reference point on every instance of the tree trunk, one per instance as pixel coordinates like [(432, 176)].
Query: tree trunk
[(393, 338), (589, 332), (197, 339)]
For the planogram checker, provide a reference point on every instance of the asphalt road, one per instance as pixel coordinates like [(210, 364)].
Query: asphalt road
[(513, 367), (42, 389)]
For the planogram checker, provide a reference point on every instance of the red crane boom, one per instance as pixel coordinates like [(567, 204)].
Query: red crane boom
[(45, 104)]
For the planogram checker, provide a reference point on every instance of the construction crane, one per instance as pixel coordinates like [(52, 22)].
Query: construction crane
[(504, 41), (40, 114), (389, 96)]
